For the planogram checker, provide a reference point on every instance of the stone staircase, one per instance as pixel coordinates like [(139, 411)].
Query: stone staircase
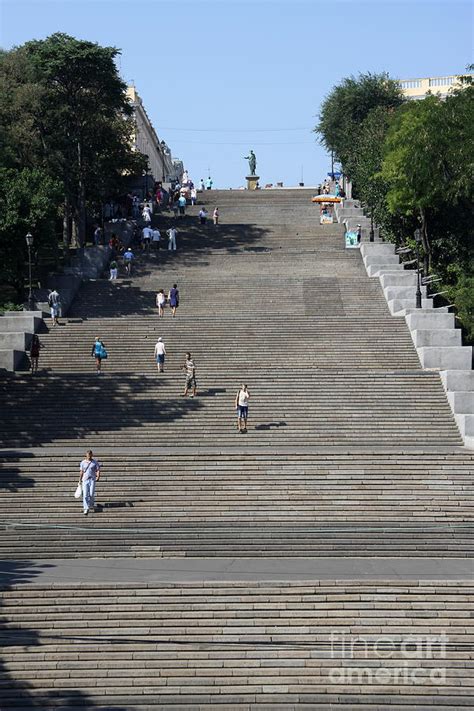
[(352, 451), (239, 646)]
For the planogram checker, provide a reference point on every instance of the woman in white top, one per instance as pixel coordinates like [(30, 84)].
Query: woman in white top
[(146, 214), (242, 406), (160, 352), (161, 302)]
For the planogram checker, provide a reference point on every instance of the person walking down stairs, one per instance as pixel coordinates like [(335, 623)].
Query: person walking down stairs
[(242, 406), (215, 216), (160, 353), (189, 368), (89, 474), (173, 298), (99, 353)]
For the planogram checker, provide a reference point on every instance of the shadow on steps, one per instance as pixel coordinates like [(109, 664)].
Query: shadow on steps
[(18, 693), (36, 415)]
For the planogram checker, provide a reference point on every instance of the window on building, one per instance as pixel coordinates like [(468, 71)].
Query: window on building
[(411, 84), (441, 81)]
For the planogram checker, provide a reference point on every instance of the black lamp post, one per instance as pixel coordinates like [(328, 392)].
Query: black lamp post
[(31, 301), (418, 272)]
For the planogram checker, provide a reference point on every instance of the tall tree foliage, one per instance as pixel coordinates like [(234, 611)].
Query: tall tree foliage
[(65, 131), (412, 164), (347, 106), (68, 112)]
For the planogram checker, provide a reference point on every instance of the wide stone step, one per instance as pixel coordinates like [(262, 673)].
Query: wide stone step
[(237, 645)]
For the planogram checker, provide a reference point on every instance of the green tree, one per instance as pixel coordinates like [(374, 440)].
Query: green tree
[(68, 113), (428, 164), (347, 106), (28, 202)]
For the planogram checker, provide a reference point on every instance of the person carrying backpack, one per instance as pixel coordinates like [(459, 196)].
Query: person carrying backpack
[(99, 353)]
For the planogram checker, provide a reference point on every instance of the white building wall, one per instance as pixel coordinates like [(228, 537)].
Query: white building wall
[(146, 140)]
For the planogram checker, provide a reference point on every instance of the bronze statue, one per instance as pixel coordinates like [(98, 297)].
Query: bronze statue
[(252, 162)]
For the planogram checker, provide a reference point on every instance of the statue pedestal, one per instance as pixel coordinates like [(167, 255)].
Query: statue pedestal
[(252, 181)]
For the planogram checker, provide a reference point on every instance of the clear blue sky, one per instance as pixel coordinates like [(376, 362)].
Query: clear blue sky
[(252, 64)]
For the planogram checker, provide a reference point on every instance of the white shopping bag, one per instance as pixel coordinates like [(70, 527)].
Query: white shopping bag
[(78, 492)]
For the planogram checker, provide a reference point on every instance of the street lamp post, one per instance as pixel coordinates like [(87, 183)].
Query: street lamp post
[(418, 272), (31, 301)]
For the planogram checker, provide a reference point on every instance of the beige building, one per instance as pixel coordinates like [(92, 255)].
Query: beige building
[(419, 88), (146, 141)]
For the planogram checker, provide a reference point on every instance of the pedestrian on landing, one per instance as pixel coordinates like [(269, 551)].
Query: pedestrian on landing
[(189, 368), (89, 474), (155, 239), (160, 352), (113, 270), (182, 205), (99, 353), (202, 216), (242, 406), (215, 216), (161, 302), (201, 185), (193, 196), (172, 232), (173, 299), (54, 302), (209, 183), (35, 348)]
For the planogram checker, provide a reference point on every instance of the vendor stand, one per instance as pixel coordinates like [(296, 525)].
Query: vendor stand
[(326, 207)]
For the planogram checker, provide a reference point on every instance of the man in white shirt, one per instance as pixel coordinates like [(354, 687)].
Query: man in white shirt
[(242, 406), (160, 352), (54, 305)]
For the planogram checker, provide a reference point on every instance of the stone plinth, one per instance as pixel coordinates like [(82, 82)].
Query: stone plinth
[(252, 181)]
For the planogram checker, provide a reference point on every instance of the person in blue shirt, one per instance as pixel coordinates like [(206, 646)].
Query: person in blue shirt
[(99, 353), (128, 259), (182, 205)]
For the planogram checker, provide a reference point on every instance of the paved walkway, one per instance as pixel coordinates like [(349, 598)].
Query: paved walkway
[(140, 570)]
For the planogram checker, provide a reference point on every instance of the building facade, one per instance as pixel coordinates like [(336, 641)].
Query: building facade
[(145, 140), (419, 88)]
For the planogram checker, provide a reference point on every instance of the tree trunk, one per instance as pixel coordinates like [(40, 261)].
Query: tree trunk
[(75, 229), (67, 227), (425, 242), (81, 201)]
